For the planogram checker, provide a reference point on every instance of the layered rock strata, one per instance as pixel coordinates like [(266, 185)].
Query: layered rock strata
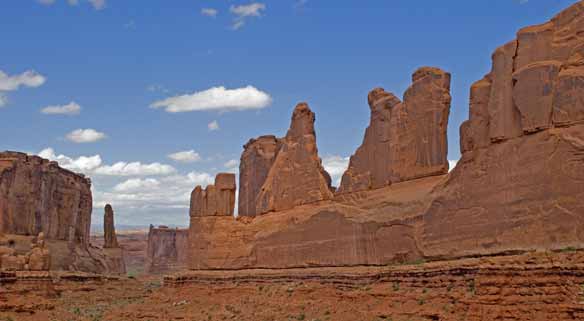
[(167, 249), (109, 229), (405, 140), (279, 174)]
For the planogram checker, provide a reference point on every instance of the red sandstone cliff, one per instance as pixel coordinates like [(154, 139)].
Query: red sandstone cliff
[(519, 185), (404, 140), (37, 197)]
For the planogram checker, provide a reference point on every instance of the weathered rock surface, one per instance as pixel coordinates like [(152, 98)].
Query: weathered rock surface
[(296, 176), (36, 195), (109, 229), (404, 140), (167, 249), (257, 159), (518, 187), (522, 189), (215, 200)]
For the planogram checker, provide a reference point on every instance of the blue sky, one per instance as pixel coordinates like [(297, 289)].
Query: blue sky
[(100, 66)]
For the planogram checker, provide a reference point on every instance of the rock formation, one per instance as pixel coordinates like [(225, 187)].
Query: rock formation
[(519, 182), (215, 200), (279, 174), (167, 249), (257, 159), (109, 230), (518, 186), (35, 258), (404, 140), (36, 195)]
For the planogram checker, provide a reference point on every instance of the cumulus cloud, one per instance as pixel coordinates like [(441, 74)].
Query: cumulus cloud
[(242, 12), (83, 164), (213, 126), (137, 185), (135, 169), (71, 108), (336, 166), (232, 165), (170, 192), (189, 156), (9, 83), (97, 4), (217, 99), (81, 136), (209, 12)]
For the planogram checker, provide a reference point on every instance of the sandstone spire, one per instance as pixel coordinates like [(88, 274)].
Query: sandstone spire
[(404, 140), (297, 176), (109, 230)]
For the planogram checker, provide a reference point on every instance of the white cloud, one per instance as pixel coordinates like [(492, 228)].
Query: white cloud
[(218, 99), (83, 164), (452, 164), (245, 11), (97, 4), (71, 108), (81, 136), (137, 185), (8, 83), (232, 164), (188, 156), (209, 12), (168, 193), (336, 167), (135, 169), (214, 125)]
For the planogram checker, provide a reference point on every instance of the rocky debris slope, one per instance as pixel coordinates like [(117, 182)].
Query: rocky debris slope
[(279, 174), (214, 200), (109, 229), (405, 140), (519, 182), (167, 249), (36, 195)]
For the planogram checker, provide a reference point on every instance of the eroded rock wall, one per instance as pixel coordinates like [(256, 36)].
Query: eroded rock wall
[(109, 229), (214, 200), (518, 187), (167, 249), (406, 140), (519, 182), (36, 195)]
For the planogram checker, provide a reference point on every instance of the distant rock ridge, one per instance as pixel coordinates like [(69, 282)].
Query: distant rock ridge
[(279, 174), (167, 249), (406, 140)]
